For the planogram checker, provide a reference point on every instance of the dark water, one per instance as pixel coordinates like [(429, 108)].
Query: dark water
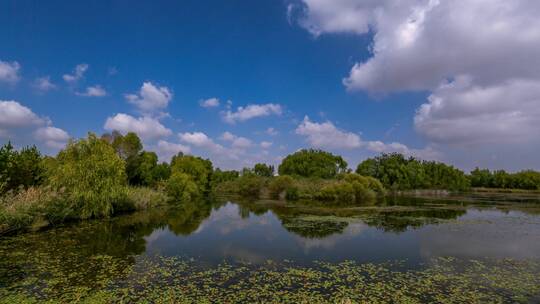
[(412, 230)]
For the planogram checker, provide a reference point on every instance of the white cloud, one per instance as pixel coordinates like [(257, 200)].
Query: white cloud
[(326, 135), (17, 122), (462, 113), (335, 16), (151, 98), (271, 132), (428, 153), (147, 128), (166, 150), (15, 115), (266, 144), (252, 111), (478, 59), (235, 156), (209, 103), (9, 71), (52, 137), (197, 139), (236, 141), (94, 91), (44, 84), (77, 74)]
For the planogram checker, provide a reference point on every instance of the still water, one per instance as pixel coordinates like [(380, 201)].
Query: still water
[(412, 231)]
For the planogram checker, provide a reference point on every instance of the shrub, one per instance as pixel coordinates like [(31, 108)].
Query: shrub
[(19, 169), (199, 169), (250, 186), (28, 208), (263, 170), (367, 182), (181, 187), (312, 163), (143, 198), (279, 185), (395, 171), (340, 192), (92, 175)]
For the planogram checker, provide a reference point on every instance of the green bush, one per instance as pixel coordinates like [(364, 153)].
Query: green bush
[(144, 198), (340, 192), (19, 169), (279, 185), (91, 175), (199, 169), (28, 208), (181, 187), (263, 170), (312, 163), (367, 182), (250, 186), (397, 172)]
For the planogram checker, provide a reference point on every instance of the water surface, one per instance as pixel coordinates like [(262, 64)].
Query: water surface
[(407, 233)]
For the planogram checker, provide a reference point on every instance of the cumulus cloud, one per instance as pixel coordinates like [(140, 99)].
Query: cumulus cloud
[(78, 73), (428, 153), (166, 150), (236, 141), (147, 128), (94, 91), (252, 111), (461, 112), (44, 84), (209, 103), (265, 144), (234, 155), (18, 121), (9, 71), (15, 115), (52, 137), (200, 140), (336, 16), (151, 98), (478, 59), (326, 135)]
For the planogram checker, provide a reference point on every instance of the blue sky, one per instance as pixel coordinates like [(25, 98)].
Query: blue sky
[(292, 55)]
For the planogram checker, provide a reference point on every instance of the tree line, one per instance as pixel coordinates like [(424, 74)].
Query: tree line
[(98, 176)]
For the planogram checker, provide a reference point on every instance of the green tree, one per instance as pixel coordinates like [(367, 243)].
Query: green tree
[(312, 163), (395, 171), (92, 176), (263, 170), (219, 176), (481, 178), (142, 169), (199, 169), (20, 168), (181, 187)]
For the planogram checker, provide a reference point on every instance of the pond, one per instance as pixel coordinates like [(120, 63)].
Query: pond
[(477, 248)]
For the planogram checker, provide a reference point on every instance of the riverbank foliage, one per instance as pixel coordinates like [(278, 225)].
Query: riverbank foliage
[(526, 179), (397, 172), (97, 177)]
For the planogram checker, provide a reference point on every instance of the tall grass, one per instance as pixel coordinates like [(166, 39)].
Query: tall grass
[(39, 207)]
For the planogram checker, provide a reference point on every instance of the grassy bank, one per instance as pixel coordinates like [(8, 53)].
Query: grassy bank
[(38, 207)]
